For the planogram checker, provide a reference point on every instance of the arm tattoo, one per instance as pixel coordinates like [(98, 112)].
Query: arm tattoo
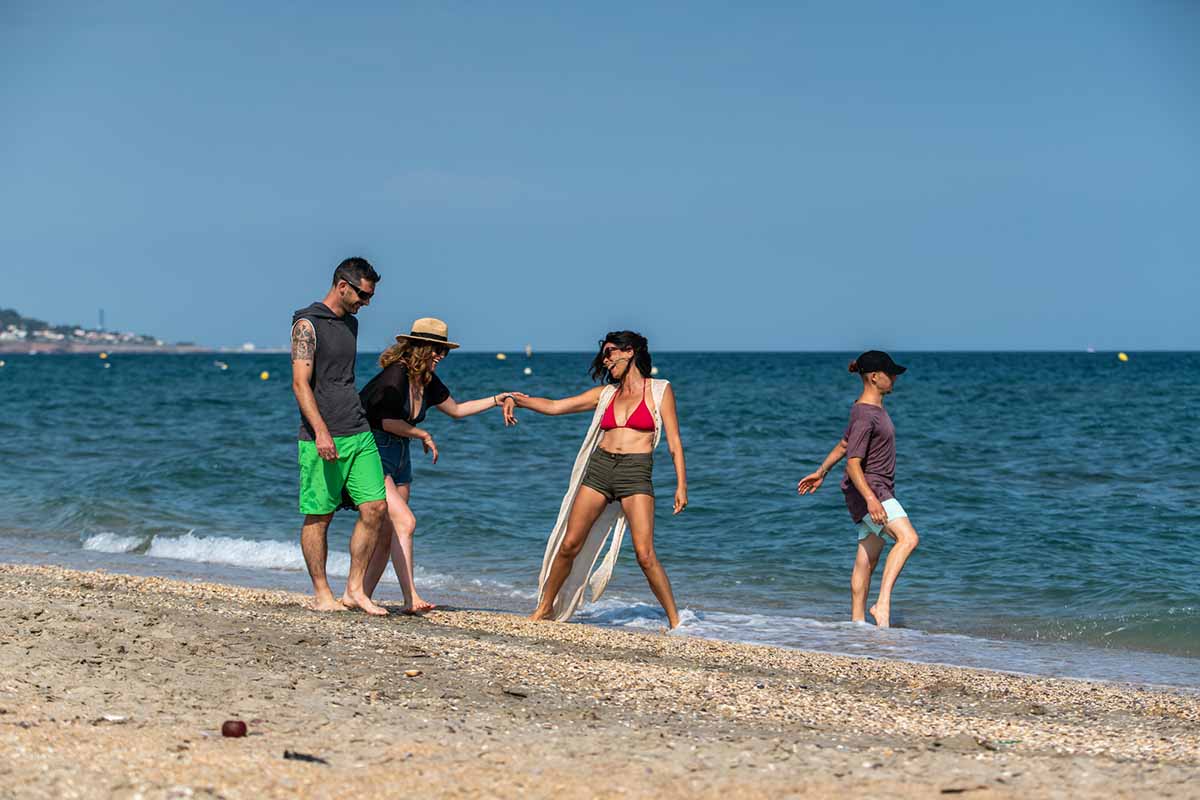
[(304, 341)]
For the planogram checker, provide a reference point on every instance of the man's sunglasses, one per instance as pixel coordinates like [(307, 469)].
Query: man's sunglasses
[(363, 294)]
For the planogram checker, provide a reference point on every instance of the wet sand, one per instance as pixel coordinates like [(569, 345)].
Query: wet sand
[(113, 685)]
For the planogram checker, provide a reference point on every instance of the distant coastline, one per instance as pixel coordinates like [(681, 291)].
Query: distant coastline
[(21, 334), (63, 348)]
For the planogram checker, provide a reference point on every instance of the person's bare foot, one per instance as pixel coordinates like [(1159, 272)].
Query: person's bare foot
[(417, 606), (326, 603), (540, 614), (363, 603), (881, 612), (673, 623)]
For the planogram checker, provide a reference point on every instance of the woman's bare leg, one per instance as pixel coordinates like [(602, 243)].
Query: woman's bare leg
[(398, 544), (906, 542), (588, 506), (404, 522), (869, 548), (639, 511)]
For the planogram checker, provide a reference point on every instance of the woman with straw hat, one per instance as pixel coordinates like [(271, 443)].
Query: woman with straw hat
[(396, 401)]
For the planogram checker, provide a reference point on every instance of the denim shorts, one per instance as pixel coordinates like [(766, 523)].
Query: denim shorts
[(394, 455)]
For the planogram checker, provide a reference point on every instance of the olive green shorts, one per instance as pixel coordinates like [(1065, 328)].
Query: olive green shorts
[(619, 475), (357, 469)]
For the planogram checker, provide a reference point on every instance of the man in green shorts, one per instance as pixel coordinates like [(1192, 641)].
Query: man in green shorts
[(337, 450)]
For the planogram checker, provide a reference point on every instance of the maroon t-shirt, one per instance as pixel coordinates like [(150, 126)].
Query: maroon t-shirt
[(870, 436)]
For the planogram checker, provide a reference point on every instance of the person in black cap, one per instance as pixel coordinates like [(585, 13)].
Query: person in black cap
[(869, 446)]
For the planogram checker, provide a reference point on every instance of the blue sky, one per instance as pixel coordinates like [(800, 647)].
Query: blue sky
[(806, 176)]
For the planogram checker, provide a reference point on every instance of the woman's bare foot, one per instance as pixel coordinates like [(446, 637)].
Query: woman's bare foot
[(417, 606), (880, 612), (363, 603), (540, 614)]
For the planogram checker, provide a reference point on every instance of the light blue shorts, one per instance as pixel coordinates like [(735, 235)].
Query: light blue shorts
[(894, 511)]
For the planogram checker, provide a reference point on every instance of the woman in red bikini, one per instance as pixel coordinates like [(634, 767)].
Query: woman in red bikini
[(614, 466)]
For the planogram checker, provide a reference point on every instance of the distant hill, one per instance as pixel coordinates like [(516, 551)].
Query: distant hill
[(18, 332)]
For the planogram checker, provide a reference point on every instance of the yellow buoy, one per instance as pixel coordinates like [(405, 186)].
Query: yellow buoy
[(1122, 357), (501, 356), (528, 370), (264, 375), (1, 363), (103, 356)]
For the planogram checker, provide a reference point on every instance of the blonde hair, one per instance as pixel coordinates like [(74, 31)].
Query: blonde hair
[(417, 359)]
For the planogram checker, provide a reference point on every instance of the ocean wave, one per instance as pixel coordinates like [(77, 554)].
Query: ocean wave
[(258, 554), (235, 552), (108, 542)]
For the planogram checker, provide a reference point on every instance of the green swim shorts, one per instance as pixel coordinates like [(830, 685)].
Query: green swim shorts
[(357, 469)]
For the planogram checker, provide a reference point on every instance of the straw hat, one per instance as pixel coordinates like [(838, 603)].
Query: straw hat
[(428, 329)]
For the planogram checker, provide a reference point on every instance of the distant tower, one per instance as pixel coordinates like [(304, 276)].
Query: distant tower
[(102, 319)]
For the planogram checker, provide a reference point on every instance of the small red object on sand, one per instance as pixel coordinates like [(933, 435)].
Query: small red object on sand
[(233, 727)]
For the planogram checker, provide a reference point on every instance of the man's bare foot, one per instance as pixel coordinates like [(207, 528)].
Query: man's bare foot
[(540, 614), (326, 604), (880, 613), (363, 603)]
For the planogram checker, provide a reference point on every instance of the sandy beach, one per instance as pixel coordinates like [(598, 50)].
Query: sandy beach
[(112, 685)]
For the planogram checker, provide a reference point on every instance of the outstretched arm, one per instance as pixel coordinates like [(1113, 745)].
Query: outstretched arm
[(810, 483), (452, 408), (567, 405), (670, 419), (304, 352)]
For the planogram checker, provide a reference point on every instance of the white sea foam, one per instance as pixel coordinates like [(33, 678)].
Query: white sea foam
[(108, 542), (237, 552)]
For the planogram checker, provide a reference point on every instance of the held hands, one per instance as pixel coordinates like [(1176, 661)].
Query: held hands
[(326, 449), (876, 512), (429, 447), (509, 407), (810, 483), (680, 499)]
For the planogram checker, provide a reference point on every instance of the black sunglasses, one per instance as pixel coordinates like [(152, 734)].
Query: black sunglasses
[(362, 293)]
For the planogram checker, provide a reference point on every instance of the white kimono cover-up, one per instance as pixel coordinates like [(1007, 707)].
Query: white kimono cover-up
[(611, 520)]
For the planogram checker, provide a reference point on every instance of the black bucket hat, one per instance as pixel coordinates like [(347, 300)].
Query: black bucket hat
[(878, 361)]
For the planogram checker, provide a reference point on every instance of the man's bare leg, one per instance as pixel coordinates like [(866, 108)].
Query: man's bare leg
[(869, 548), (362, 547), (314, 544), (906, 542)]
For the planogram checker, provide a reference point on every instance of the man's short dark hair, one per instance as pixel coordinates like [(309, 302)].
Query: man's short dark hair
[(354, 271)]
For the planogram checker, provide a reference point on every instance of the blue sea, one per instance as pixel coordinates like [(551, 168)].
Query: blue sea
[(1057, 496)]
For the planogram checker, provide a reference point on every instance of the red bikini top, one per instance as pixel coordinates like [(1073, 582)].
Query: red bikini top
[(640, 420)]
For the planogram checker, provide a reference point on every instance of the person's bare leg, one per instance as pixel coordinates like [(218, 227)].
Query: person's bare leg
[(362, 546), (379, 558), (403, 522), (869, 548), (314, 545), (588, 506), (906, 542), (639, 511)]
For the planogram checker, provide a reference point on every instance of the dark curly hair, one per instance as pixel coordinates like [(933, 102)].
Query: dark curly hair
[(625, 340)]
